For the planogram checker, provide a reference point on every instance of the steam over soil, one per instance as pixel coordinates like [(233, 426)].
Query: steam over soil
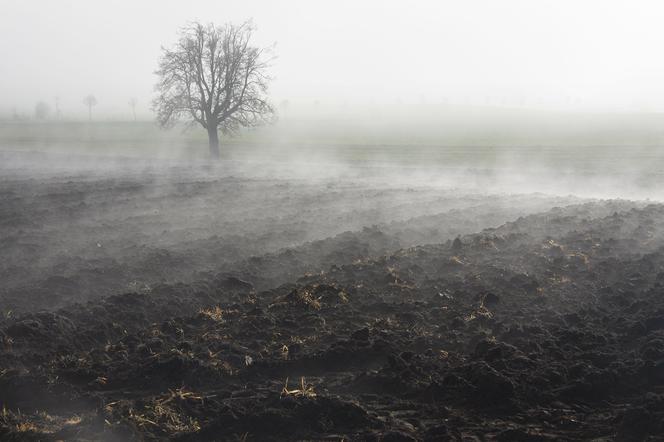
[(191, 303)]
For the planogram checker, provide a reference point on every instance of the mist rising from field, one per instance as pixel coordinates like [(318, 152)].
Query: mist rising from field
[(483, 149), (521, 97)]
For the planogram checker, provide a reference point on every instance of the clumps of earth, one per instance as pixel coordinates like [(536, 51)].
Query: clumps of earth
[(550, 327)]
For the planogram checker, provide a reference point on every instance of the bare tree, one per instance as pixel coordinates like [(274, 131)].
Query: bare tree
[(90, 101), (132, 104), (214, 77)]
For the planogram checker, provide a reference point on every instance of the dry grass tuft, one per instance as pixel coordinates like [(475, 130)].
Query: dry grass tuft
[(165, 415), (455, 260), (74, 420), (302, 297), (396, 280), (215, 313), (480, 312), (305, 390), (26, 427)]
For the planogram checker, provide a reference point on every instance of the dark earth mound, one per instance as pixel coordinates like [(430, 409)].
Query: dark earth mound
[(78, 236), (550, 327)]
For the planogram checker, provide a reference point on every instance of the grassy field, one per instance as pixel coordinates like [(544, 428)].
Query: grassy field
[(583, 142)]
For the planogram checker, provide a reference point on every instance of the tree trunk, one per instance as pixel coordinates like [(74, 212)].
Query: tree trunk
[(214, 141)]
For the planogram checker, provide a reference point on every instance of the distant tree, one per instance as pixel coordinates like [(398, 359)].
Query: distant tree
[(214, 77), (132, 103), (57, 108), (90, 101), (42, 110)]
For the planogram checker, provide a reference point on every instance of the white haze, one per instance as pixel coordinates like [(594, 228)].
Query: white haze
[(342, 55), (514, 96)]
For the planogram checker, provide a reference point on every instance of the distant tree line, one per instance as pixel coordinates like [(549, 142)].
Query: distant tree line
[(44, 111)]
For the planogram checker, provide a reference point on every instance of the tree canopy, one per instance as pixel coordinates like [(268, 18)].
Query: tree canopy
[(213, 76)]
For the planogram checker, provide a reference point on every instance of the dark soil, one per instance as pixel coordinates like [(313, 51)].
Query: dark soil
[(548, 327)]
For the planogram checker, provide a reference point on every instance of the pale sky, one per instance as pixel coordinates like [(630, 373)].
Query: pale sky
[(569, 55)]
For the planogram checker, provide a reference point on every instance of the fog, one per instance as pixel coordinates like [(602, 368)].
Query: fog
[(557, 98), (432, 220), (563, 55)]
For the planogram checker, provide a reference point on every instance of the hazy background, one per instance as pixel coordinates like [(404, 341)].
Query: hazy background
[(348, 56), (554, 96)]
